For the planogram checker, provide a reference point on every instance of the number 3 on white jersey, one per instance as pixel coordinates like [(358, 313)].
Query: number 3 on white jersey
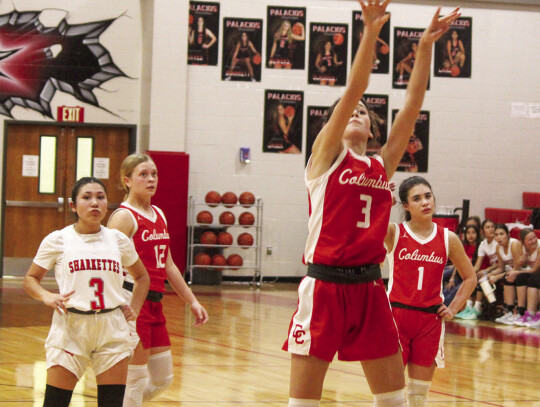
[(366, 211), (160, 255)]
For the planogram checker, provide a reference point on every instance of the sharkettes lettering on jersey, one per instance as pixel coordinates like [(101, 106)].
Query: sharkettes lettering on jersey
[(344, 234), (416, 266), (151, 240)]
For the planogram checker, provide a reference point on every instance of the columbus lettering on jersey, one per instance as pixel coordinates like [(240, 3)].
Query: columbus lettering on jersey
[(430, 258), (147, 236), (95, 265), (346, 178)]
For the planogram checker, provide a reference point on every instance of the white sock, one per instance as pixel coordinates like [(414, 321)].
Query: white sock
[(160, 370), (417, 391), (478, 306), (303, 402), (469, 303), (390, 399), (136, 381)]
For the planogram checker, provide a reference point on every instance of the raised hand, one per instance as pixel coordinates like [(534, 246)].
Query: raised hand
[(440, 25), (373, 12)]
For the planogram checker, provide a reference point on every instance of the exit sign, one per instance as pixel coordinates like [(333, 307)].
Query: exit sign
[(70, 114)]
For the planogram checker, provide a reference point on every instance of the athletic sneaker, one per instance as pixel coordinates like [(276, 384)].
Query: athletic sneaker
[(472, 315), (510, 320), (532, 321), (524, 318), (461, 314), (504, 318)]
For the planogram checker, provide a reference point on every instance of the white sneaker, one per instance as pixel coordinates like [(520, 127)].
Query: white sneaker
[(534, 322), (510, 320), (504, 318)]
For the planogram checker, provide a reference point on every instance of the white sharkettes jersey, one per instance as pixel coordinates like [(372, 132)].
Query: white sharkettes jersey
[(89, 264)]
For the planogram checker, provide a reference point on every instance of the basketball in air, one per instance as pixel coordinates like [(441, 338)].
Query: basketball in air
[(212, 198), (256, 59), (338, 39), (219, 260), (229, 199), (290, 111), (227, 218), (203, 259), (190, 19), (204, 217), (244, 239), (208, 237), (297, 28), (247, 198), (225, 238), (454, 71), (384, 49), (235, 261), (246, 219)]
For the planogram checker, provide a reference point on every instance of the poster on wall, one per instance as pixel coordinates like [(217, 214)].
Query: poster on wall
[(283, 117), (453, 51), (415, 158), (203, 33), (286, 38), (242, 42), (378, 105), (405, 47), (316, 117), (328, 54), (381, 55)]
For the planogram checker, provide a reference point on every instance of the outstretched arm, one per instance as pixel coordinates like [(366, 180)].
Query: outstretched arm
[(405, 120), (328, 144)]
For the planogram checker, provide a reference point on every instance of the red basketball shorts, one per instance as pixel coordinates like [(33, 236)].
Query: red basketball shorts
[(151, 326), (421, 335), (354, 320)]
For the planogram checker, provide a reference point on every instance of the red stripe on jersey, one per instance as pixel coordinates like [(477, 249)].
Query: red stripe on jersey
[(152, 243)]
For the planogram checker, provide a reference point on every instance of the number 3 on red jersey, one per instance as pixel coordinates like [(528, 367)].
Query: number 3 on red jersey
[(366, 211)]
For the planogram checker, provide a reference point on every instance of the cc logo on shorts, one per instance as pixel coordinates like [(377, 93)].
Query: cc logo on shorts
[(297, 334)]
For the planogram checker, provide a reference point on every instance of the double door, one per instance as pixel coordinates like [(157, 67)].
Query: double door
[(41, 165)]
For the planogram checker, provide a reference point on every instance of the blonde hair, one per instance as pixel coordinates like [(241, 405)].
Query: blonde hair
[(127, 167)]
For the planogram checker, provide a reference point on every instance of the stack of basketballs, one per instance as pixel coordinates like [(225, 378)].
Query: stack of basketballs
[(225, 238)]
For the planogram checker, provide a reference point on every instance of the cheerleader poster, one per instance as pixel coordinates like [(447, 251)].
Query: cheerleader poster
[(283, 117), (286, 38), (453, 50), (202, 33), (405, 47), (378, 106), (328, 54), (242, 42), (381, 54), (415, 158), (316, 117)]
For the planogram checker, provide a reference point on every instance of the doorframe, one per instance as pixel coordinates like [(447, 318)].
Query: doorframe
[(132, 131)]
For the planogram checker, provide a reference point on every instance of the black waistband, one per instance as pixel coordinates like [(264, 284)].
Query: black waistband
[(154, 296), (92, 312), (431, 310), (345, 275)]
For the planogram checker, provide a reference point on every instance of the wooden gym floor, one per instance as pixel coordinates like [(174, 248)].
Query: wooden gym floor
[(236, 359)]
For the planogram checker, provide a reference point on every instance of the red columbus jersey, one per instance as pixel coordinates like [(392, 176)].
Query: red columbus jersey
[(349, 212), (151, 240), (416, 267)]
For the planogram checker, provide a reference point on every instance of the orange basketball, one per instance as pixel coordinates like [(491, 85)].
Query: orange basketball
[(235, 261), (225, 238), (297, 28), (256, 59), (227, 218), (454, 71), (290, 111), (338, 39), (246, 218), (204, 217), (229, 199), (203, 259), (219, 260), (384, 49), (190, 19), (244, 239), (247, 199), (208, 237), (212, 198)]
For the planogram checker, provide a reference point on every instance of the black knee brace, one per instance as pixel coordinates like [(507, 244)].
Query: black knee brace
[(110, 395), (56, 397)]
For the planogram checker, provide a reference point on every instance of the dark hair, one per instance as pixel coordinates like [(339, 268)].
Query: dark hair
[(486, 221), (79, 184), (476, 243), (523, 233), (476, 219), (374, 119), (406, 186), (503, 227)]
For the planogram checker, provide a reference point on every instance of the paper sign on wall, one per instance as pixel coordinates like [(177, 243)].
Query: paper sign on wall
[(30, 165), (534, 110), (101, 167)]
